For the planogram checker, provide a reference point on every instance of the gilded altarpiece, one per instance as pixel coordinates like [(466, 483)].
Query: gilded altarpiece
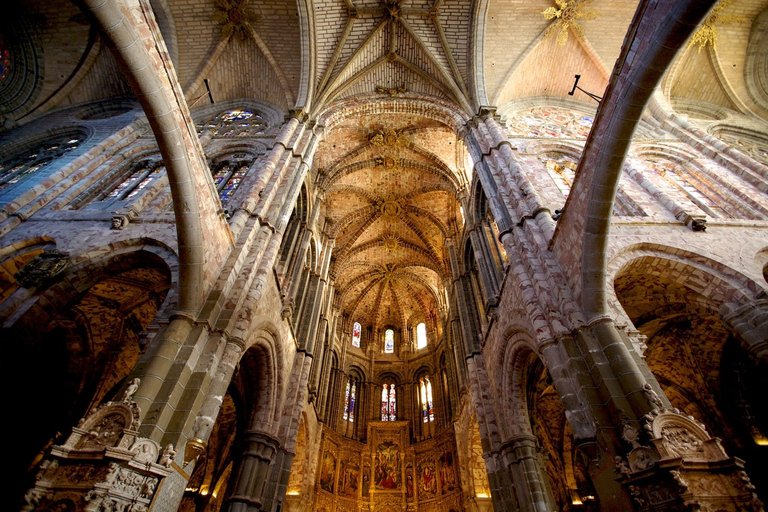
[(387, 473)]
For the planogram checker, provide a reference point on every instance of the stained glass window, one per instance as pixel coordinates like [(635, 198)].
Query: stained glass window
[(429, 400), (562, 173), (425, 393), (350, 393), (685, 182), (346, 401), (352, 401), (234, 123), (389, 341), (145, 181), (228, 177), (127, 183), (547, 122), (20, 166), (356, 335), (421, 335), (384, 403), (5, 61), (392, 403), (142, 175), (388, 402)]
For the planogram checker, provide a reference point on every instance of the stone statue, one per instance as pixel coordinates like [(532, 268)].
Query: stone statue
[(166, 459), (132, 388), (644, 461), (681, 483), (622, 468), (653, 397)]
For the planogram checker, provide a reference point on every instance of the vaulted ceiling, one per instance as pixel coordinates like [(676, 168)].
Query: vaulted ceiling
[(309, 54), (390, 188)]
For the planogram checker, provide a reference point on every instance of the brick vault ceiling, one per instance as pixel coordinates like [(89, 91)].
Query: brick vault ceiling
[(389, 186), (427, 47), (421, 46)]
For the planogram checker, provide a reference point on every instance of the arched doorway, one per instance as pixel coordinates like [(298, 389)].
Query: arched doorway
[(700, 365), (76, 344)]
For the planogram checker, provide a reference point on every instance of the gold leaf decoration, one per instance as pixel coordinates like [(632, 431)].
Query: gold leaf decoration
[(390, 207), (567, 15), (707, 33), (390, 243), (390, 138)]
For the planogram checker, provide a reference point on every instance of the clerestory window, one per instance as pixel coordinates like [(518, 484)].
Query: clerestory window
[(421, 335), (356, 328)]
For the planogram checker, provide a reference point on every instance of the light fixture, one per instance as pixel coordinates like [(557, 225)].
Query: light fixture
[(576, 86)]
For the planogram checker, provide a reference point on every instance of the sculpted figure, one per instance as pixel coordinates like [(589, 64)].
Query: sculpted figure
[(622, 467), (653, 397), (131, 390), (166, 459)]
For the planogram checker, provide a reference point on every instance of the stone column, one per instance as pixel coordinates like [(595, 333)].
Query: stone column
[(249, 481), (521, 454), (502, 496), (487, 272)]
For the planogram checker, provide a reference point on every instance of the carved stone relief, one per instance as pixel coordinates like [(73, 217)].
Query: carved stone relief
[(102, 466), (42, 268)]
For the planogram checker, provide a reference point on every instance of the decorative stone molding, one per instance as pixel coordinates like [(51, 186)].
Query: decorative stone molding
[(42, 268), (103, 465), (194, 448), (682, 468), (696, 223), (119, 221), (390, 139)]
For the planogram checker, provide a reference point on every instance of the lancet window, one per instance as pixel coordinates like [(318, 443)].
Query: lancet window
[(562, 169), (22, 165), (425, 396), (389, 341), (141, 176), (388, 402), (690, 186), (350, 397), (356, 329), (563, 174), (421, 335), (227, 176)]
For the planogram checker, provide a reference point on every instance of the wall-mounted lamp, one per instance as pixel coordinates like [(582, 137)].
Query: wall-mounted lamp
[(576, 86)]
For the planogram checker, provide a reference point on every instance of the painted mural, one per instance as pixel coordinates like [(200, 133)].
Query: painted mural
[(327, 471), (387, 466), (388, 473), (409, 482), (427, 480), (447, 473), (349, 473)]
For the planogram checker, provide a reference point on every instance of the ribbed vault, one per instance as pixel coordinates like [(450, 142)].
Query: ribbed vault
[(390, 185)]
